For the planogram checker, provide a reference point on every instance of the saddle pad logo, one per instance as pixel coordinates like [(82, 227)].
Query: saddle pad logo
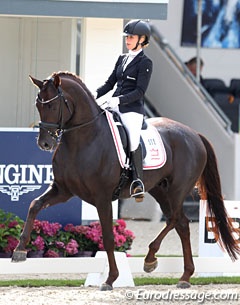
[(156, 155)]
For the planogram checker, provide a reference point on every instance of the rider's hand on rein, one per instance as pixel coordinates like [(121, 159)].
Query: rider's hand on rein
[(113, 102)]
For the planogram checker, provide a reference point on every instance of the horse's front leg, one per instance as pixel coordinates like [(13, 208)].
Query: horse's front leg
[(105, 216), (49, 198)]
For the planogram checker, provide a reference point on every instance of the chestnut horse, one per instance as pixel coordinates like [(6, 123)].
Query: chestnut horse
[(85, 164)]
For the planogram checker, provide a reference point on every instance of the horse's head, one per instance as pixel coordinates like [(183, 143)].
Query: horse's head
[(53, 109)]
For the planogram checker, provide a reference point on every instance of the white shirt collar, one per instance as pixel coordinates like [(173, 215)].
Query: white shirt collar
[(134, 53)]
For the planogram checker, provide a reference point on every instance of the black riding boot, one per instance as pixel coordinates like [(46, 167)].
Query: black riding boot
[(137, 187)]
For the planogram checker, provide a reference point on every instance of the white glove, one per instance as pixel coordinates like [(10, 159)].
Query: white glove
[(102, 105), (113, 102), (95, 94)]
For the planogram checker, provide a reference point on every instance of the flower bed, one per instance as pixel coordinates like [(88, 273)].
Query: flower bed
[(10, 230), (53, 240)]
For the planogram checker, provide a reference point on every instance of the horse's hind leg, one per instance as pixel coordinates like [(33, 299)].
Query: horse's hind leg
[(182, 228), (49, 198), (150, 262)]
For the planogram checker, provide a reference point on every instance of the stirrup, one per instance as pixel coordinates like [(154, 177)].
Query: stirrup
[(137, 191)]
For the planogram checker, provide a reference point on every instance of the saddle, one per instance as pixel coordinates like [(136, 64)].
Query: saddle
[(154, 154), (124, 136)]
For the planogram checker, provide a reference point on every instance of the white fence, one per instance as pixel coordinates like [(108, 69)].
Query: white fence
[(98, 266), (91, 264)]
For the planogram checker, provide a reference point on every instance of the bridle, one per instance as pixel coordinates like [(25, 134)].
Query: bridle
[(59, 127), (56, 134)]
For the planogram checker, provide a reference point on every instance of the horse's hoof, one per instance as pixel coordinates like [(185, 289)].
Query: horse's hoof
[(106, 287), (183, 284), (150, 267), (19, 256)]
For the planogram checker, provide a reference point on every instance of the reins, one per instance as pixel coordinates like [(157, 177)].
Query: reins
[(84, 124)]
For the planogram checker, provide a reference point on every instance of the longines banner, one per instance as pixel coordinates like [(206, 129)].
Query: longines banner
[(25, 173)]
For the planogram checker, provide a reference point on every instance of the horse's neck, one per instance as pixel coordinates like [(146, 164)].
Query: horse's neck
[(86, 113), (84, 107), (85, 124)]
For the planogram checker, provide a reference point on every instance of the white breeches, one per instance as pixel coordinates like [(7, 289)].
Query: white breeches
[(133, 124)]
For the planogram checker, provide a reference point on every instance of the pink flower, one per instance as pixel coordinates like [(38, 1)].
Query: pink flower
[(69, 227), (120, 240), (38, 243), (100, 245), (59, 244), (94, 234), (81, 229), (50, 229), (13, 224), (51, 253), (129, 234), (37, 226), (76, 229), (11, 245), (72, 247), (121, 223)]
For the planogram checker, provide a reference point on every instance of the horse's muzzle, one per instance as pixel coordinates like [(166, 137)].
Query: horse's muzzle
[(47, 144)]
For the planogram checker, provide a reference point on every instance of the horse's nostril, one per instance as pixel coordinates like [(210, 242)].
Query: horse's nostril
[(44, 145)]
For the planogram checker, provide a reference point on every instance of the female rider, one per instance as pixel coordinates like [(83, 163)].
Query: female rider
[(132, 74)]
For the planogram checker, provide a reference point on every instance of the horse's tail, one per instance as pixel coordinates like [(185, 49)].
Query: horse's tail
[(210, 189)]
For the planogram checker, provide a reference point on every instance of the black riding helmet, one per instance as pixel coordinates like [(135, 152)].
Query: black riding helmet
[(140, 28)]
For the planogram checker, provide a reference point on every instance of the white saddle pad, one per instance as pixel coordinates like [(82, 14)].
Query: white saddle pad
[(155, 151)]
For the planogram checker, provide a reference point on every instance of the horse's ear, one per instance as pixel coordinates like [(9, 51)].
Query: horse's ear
[(57, 81), (36, 82)]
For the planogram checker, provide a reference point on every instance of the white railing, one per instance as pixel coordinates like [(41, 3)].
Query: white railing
[(96, 268), (91, 264)]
